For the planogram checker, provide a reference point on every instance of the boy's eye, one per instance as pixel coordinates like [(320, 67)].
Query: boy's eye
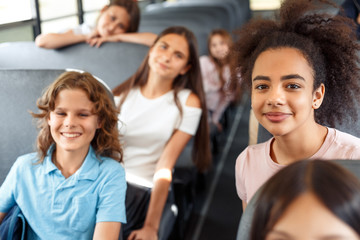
[(84, 115), (60, 113)]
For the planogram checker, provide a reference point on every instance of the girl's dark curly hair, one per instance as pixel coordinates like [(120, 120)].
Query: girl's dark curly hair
[(328, 43)]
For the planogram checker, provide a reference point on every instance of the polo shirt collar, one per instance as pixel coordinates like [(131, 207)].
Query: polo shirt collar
[(89, 169), (48, 164)]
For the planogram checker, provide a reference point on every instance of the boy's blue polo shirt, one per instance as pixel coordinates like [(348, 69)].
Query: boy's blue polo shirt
[(59, 208)]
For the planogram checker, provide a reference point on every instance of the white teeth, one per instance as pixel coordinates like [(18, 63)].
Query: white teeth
[(71, 135)]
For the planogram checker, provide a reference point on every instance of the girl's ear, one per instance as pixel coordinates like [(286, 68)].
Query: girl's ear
[(318, 96), (98, 124), (185, 69)]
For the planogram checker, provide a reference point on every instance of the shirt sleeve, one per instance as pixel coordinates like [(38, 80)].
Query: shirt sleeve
[(7, 189), (111, 206), (82, 29), (190, 119), (239, 176)]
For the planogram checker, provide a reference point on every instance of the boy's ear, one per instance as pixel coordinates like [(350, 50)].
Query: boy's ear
[(318, 96), (48, 120), (185, 69)]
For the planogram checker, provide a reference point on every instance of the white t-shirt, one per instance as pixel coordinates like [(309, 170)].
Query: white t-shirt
[(254, 165), (83, 29), (146, 125)]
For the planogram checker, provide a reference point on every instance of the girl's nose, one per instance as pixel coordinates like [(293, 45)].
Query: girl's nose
[(111, 27), (166, 55), (276, 97)]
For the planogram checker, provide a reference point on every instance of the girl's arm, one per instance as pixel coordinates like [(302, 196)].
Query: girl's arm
[(145, 38), (107, 231), (58, 40), (162, 180), (2, 216)]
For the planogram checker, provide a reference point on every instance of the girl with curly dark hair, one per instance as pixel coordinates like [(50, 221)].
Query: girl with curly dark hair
[(289, 65)]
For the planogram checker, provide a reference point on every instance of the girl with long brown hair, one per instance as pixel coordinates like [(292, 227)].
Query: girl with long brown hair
[(161, 107)]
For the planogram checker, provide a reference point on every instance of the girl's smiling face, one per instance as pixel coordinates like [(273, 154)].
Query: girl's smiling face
[(113, 20), (72, 122), (219, 47), (169, 56), (282, 93)]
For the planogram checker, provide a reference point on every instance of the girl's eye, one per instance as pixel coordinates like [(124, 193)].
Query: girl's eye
[(293, 86), (112, 18), (121, 26), (84, 115), (261, 87), (178, 55), (163, 46)]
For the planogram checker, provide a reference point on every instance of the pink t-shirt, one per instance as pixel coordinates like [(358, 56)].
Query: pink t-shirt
[(216, 100), (254, 165)]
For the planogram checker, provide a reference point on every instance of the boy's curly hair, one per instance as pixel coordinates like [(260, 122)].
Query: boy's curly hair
[(328, 42), (106, 140)]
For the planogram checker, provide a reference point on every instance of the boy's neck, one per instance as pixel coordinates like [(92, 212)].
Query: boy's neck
[(68, 162)]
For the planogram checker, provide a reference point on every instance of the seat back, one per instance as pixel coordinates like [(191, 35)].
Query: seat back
[(112, 62), (218, 12)]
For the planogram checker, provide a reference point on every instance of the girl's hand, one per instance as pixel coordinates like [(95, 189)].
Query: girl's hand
[(145, 233), (97, 41), (93, 34), (358, 19)]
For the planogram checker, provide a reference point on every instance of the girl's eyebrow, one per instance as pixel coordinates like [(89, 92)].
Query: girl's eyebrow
[(281, 233), (286, 77), (178, 52), (163, 42), (261, 77), (292, 76), (335, 237)]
